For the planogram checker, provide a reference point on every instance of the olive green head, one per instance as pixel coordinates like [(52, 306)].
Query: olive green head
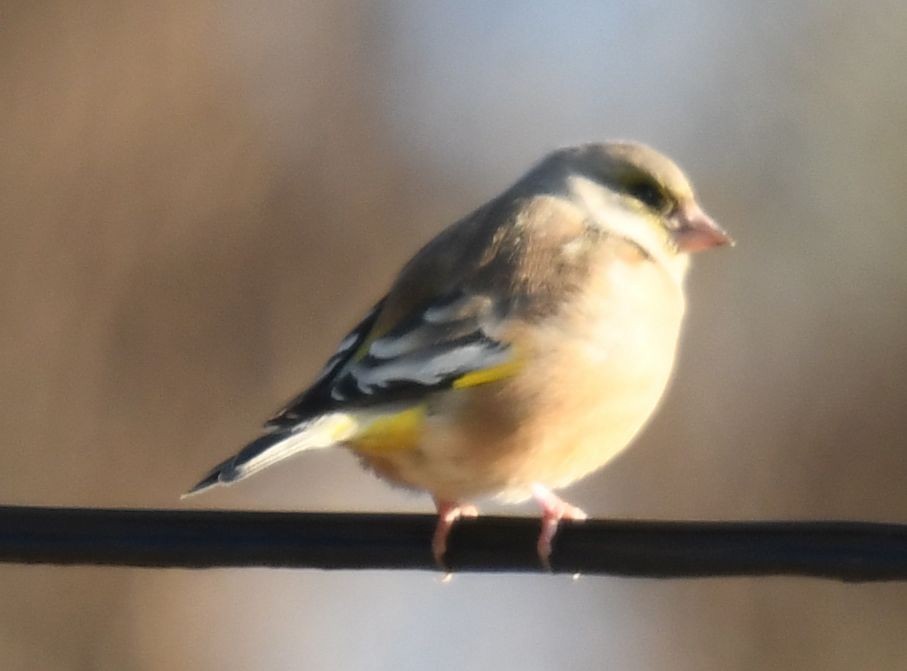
[(616, 179)]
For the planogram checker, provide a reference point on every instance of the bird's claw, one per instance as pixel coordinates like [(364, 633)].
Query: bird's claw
[(554, 509), (448, 514)]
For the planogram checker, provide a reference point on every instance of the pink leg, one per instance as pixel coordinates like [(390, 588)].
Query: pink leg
[(448, 513), (554, 509)]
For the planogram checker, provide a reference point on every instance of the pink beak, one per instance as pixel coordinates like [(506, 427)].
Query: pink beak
[(696, 231)]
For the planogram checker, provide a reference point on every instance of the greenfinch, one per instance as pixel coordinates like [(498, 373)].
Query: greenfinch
[(518, 351)]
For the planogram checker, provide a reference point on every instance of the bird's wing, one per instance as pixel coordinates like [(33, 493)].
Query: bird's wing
[(446, 343), (432, 329), (443, 323)]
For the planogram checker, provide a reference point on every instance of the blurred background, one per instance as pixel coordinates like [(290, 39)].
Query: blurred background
[(198, 198)]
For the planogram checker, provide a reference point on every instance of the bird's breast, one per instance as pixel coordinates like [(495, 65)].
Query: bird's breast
[(605, 364)]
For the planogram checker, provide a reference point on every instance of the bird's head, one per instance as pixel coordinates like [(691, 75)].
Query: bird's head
[(633, 191)]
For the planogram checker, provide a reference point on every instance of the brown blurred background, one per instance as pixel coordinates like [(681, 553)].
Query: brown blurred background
[(197, 198)]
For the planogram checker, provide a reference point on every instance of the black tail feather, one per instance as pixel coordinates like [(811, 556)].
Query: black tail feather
[(231, 469)]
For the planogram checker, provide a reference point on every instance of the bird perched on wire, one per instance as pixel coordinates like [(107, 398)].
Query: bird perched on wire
[(519, 350)]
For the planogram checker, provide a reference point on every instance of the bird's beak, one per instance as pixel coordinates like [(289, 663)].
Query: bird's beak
[(695, 231)]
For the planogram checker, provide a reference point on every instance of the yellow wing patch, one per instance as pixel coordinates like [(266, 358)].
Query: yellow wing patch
[(403, 430), (486, 375), (391, 433)]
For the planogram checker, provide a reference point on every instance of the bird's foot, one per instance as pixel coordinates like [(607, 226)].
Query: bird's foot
[(448, 513), (554, 509)]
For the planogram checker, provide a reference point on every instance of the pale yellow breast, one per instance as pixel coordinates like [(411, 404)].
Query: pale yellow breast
[(605, 374)]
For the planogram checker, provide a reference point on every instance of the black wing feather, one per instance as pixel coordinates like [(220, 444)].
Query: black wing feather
[(317, 398), (426, 351)]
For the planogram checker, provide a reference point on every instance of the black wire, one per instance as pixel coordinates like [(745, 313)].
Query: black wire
[(851, 551)]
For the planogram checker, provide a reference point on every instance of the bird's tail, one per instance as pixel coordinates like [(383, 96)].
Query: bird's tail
[(272, 447)]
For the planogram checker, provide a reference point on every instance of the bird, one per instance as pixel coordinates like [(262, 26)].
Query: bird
[(519, 350)]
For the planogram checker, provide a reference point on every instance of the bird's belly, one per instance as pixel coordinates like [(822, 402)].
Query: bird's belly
[(501, 438), (587, 426)]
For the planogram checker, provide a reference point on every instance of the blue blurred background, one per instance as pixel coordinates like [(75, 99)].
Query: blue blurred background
[(197, 199)]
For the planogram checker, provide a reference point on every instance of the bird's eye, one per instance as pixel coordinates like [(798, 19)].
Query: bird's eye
[(649, 194)]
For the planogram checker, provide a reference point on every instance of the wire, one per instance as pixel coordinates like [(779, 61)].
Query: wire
[(851, 551)]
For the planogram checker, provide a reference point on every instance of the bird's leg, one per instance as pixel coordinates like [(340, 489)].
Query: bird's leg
[(448, 513), (554, 509)]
